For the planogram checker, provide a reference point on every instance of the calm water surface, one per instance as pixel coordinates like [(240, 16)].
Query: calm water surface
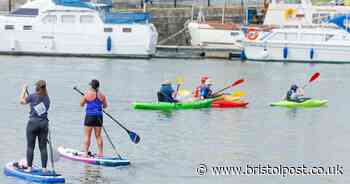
[(174, 143)]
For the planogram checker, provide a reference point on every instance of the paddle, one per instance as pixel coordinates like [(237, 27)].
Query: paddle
[(238, 94), (179, 82), (110, 141), (312, 78), (184, 92), (237, 82), (50, 146), (133, 136)]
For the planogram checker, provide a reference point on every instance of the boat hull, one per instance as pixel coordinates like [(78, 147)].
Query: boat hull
[(306, 104), (35, 176), (170, 106), (75, 155)]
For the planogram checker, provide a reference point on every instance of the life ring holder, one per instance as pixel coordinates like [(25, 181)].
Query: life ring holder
[(252, 33)]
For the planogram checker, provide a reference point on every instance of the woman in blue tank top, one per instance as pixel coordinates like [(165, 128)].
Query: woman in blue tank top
[(95, 101)]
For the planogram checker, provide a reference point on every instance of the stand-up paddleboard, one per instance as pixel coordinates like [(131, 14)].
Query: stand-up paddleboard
[(36, 175), (76, 155)]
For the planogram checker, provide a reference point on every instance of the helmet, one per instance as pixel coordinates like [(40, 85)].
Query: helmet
[(204, 78), (294, 87)]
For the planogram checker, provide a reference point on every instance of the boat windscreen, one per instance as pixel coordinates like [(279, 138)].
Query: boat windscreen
[(26, 11)]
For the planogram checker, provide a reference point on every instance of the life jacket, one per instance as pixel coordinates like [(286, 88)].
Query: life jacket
[(205, 92), (94, 107), (167, 91), (196, 92)]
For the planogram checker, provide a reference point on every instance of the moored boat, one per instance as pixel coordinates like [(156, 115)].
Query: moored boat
[(327, 44), (76, 28)]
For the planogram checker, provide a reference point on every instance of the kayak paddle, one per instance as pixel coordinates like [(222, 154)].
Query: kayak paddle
[(179, 82), (238, 94), (133, 136), (52, 157), (312, 78), (237, 82), (184, 92)]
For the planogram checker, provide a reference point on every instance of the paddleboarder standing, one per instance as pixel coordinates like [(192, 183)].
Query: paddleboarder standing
[(38, 124), (95, 101)]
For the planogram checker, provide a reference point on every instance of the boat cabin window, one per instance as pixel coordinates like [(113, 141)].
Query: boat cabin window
[(68, 19), (9, 27), (127, 30), (108, 29), (50, 19), (27, 28), (26, 11), (328, 37), (87, 19)]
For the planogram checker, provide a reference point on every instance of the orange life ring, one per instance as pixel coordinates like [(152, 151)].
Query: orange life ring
[(252, 33)]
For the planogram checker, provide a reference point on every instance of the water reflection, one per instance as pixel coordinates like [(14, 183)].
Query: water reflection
[(92, 175), (292, 113)]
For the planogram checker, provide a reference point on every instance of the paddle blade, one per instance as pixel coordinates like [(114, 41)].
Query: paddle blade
[(183, 92), (238, 82), (179, 80), (238, 94), (314, 76), (134, 137)]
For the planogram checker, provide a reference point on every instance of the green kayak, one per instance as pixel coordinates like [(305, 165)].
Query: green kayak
[(169, 106), (307, 103)]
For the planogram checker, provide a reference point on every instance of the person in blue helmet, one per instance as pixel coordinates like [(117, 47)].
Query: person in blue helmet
[(166, 93), (295, 94)]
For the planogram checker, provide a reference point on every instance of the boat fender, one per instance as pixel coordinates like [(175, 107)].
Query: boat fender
[(312, 53), (285, 52), (109, 43)]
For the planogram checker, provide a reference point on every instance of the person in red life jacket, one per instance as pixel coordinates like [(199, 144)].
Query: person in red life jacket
[(95, 101), (197, 90)]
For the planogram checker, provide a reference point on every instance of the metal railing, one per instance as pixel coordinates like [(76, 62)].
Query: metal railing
[(184, 3)]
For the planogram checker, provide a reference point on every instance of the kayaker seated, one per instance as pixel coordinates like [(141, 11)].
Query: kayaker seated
[(295, 94), (166, 93), (196, 93), (205, 91)]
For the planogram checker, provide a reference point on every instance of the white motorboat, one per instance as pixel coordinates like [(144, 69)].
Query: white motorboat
[(76, 28), (327, 44)]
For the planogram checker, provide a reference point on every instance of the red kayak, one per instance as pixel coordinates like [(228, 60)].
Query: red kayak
[(228, 104)]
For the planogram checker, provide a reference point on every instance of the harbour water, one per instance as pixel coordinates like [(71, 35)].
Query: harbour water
[(174, 144)]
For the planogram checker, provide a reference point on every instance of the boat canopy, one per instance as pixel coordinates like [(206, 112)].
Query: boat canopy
[(126, 18), (342, 22), (73, 3)]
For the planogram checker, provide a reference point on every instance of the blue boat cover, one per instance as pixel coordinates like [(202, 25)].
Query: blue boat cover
[(73, 3), (342, 22), (126, 18), (109, 18)]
